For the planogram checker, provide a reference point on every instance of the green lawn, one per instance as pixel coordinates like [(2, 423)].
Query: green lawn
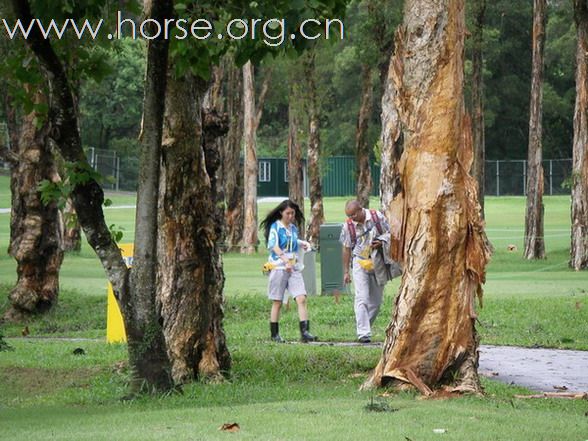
[(291, 391)]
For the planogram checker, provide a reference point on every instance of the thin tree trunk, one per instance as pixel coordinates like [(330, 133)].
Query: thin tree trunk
[(147, 355), (534, 240), (232, 169), (317, 212), (35, 228), (362, 149), (251, 119), (72, 232), (579, 247), (432, 338), (147, 348), (478, 99), (250, 241), (190, 274), (295, 165)]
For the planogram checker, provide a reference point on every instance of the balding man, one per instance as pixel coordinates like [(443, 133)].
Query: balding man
[(359, 236)]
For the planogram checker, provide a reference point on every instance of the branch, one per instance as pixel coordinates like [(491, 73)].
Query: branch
[(87, 197)]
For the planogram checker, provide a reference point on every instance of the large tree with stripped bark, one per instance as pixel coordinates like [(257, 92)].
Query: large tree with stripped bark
[(432, 339), (579, 246)]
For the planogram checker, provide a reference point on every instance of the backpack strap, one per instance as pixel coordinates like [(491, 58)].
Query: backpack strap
[(376, 220), (352, 233)]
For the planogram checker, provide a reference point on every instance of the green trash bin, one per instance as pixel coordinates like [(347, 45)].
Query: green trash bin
[(331, 259), (309, 272)]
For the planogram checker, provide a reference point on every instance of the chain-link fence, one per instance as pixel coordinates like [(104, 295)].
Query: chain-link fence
[(119, 173), (509, 177), (107, 163)]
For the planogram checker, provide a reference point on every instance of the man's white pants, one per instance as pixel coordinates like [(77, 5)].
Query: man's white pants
[(368, 298)]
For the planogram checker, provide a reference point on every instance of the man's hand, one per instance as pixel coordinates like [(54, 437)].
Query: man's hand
[(346, 278), (376, 244)]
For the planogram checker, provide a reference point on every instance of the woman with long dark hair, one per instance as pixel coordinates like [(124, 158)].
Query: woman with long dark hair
[(281, 235)]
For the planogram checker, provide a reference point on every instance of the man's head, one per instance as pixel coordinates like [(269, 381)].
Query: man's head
[(354, 211)]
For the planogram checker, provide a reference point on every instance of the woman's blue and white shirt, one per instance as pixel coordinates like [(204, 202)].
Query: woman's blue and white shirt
[(286, 238)]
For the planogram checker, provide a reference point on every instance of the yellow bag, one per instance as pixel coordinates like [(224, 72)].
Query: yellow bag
[(267, 267), (366, 264)]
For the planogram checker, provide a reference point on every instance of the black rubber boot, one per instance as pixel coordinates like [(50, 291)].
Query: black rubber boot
[(275, 330), (306, 336)]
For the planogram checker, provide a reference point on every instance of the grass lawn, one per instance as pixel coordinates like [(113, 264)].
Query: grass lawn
[(291, 391)]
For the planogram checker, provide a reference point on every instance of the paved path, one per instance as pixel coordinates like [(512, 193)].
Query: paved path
[(535, 369)]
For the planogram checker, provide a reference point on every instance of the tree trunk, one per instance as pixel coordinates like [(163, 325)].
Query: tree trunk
[(579, 247), (72, 234), (317, 212), (232, 169), (146, 342), (147, 356), (534, 240), (432, 338), (362, 149), (478, 167), (216, 359), (391, 138), (190, 275), (250, 241), (295, 164), (35, 228)]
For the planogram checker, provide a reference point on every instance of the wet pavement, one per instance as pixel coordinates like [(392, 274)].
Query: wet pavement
[(543, 370)]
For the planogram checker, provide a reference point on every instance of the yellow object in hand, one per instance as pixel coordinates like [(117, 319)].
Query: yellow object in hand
[(267, 267)]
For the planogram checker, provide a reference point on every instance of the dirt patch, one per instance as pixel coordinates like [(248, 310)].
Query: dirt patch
[(26, 382)]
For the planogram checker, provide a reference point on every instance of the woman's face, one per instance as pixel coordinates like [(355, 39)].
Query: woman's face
[(288, 215)]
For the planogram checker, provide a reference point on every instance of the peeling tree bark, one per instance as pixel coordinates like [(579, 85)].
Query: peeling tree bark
[(534, 240), (190, 275), (35, 228), (295, 165), (317, 212), (362, 149), (432, 339), (250, 240), (579, 246), (232, 169), (478, 166), (392, 146)]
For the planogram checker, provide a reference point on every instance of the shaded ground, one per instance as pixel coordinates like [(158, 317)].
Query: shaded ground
[(541, 369)]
